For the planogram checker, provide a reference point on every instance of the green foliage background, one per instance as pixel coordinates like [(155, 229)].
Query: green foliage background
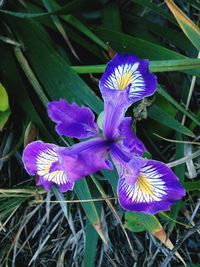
[(58, 49)]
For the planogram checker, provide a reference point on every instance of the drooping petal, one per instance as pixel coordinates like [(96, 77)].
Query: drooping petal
[(42, 159), (72, 120), (85, 158), (155, 189), (125, 71), (63, 166), (130, 140)]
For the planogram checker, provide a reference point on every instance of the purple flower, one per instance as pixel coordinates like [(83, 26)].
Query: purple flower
[(144, 185)]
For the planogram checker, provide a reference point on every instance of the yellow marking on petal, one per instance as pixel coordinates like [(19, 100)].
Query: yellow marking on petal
[(125, 80), (47, 168), (144, 185)]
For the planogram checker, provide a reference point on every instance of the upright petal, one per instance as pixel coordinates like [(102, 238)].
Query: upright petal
[(129, 139), (128, 71), (115, 107), (72, 120), (155, 189), (125, 81), (42, 159)]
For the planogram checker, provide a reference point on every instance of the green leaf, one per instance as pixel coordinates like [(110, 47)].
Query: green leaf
[(83, 192), (154, 66), (158, 114), (100, 120), (124, 43), (191, 30), (191, 186), (8, 68), (68, 8), (194, 123), (156, 9), (57, 79), (140, 221), (84, 29), (152, 224), (73, 21), (132, 223), (59, 27), (90, 247), (111, 17), (180, 172), (4, 103), (4, 115), (164, 93), (176, 37), (175, 65)]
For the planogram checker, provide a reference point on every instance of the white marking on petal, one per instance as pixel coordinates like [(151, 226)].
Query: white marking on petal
[(44, 161), (124, 75), (148, 188)]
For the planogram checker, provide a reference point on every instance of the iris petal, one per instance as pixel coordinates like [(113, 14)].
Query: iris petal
[(72, 120), (85, 158), (125, 81), (64, 166), (115, 107), (42, 159), (129, 139), (125, 71), (155, 189)]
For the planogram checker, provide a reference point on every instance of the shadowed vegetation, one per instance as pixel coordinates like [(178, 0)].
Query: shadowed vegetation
[(59, 49)]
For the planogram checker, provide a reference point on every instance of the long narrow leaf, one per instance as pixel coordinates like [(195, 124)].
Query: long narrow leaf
[(83, 192), (90, 248), (191, 30), (68, 8), (159, 115), (155, 66)]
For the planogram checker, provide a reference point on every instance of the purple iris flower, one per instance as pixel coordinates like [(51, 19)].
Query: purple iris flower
[(144, 185)]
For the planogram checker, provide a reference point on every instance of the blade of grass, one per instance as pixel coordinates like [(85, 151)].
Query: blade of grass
[(156, 9), (184, 159), (66, 9), (180, 172), (151, 224), (176, 37), (57, 73), (155, 66), (30, 75), (158, 114), (102, 192), (124, 43), (90, 248), (73, 21), (190, 29), (111, 17), (8, 68), (164, 93), (83, 192), (60, 28), (84, 29)]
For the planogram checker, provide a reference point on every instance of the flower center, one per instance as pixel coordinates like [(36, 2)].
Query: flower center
[(125, 80), (144, 185)]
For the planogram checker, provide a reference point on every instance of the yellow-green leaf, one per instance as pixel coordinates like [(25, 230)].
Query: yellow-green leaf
[(3, 118), (4, 104), (151, 224), (190, 29)]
